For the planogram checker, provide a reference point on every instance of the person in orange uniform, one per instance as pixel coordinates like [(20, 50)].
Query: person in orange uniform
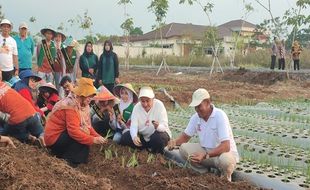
[(68, 132), (23, 124)]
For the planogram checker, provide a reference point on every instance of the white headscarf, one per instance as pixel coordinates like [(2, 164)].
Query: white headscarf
[(123, 105)]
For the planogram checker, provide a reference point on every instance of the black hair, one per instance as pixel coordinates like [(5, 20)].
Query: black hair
[(65, 79)]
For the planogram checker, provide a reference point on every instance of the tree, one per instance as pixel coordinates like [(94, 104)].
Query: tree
[(83, 22), (160, 9), (136, 31), (1, 13), (247, 10), (127, 26), (211, 33)]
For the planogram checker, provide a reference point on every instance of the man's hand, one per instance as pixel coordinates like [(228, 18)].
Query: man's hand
[(117, 81), (91, 71), (155, 124), (100, 140), (171, 144), (7, 141), (137, 141), (198, 157), (16, 72), (100, 83)]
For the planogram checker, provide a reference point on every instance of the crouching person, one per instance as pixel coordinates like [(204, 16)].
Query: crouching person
[(216, 147), (149, 124), (103, 115), (68, 132), (24, 123)]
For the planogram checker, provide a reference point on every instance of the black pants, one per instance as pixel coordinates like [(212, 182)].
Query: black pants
[(69, 149), (281, 62), (296, 64), (158, 141), (102, 126), (273, 61), (7, 75)]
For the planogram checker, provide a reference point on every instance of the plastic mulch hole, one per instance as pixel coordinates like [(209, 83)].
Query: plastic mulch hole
[(304, 185), (248, 171), (307, 161), (284, 135), (261, 151), (271, 176), (291, 177), (277, 174), (239, 169), (298, 159), (285, 180), (287, 156), (294, 137), (280, 155), (260, 172), (270, 153)]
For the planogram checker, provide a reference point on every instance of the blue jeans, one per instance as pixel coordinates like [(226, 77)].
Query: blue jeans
[(21, 131), (117, 137)]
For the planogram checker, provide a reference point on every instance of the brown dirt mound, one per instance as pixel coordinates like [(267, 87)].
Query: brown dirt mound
[(262, 78), (154, 175), (27, 167)]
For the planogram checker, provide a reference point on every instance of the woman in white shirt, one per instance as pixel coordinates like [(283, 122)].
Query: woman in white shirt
[(149, 124)]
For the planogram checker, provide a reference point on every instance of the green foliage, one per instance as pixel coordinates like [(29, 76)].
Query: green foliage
[(160, 9), (127, 25), (32, 19), (1, 13), (124, 2), (136, 31)]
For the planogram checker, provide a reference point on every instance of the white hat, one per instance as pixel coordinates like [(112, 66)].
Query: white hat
[(146, 92), (6, 21), (198, 96), (23, 25)]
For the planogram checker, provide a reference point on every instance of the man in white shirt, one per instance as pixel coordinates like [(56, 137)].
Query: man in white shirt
[(216, 147), (8, 52), (149, 124)]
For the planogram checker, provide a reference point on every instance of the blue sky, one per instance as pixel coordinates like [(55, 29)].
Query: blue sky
[(107, 15)]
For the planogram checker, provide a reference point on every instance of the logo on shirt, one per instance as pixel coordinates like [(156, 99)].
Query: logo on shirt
[(199, 127)]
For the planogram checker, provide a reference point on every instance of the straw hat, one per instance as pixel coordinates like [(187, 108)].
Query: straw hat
[(49, 86), (198, 96), (44, 30), (118, 88), (63, 37), (85, 87), (104, 95)]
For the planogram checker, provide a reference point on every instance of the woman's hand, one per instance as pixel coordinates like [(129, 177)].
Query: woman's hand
[(100, 140)]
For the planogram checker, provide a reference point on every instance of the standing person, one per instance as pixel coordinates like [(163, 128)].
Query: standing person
[(59, 64), (149, 124), (274, 52), (88, 61), (46, 55), (8, 52), (296, 50), (71, 58), (68, 131), (281, 50), (25, 46), (216, 147), (108, 68)]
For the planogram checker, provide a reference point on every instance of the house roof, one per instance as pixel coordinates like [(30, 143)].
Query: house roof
[(174, 30), (193, 31), (237, 23)]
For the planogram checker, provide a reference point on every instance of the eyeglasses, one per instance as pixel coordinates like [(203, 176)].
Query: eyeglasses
[(4, 41)]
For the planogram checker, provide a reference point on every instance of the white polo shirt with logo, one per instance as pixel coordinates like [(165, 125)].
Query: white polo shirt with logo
[(212, 132), (8, 48)]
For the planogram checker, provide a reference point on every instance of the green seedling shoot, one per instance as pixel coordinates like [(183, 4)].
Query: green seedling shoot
[(133, 161), (123, 161), (150, 158)]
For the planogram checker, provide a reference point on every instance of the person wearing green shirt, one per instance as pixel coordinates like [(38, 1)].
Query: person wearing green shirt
[(88, 61), (25, 47), (108, 68)]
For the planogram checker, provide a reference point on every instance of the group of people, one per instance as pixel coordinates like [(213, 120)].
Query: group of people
[(96, 106), (278, 50)]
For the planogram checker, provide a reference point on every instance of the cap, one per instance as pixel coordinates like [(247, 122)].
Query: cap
[(146, 92), (198, 96)]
